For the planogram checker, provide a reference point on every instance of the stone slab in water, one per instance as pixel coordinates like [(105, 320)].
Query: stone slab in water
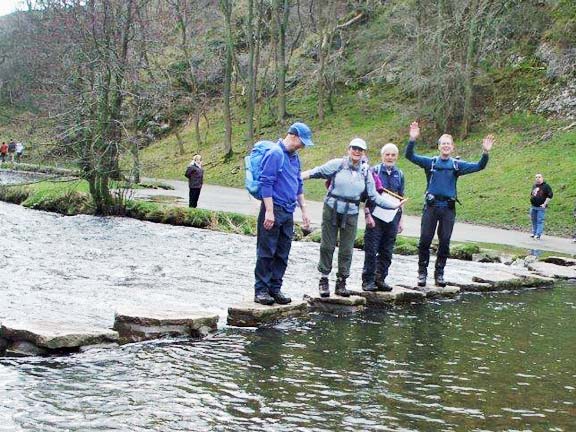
[(250, 314), (135, 325), (397, 295), (562, 261), (55, 336), (336, 304), (553, 270)]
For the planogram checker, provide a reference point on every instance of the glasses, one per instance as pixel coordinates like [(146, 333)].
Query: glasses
[(446, 143), (356, 148)]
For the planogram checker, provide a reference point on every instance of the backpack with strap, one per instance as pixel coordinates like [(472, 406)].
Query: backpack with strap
[(433, 169), (253, 167), (377, 172)]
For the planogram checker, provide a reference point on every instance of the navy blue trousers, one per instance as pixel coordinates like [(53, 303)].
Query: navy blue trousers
[(378, 247), (432, 217), (272, 250)]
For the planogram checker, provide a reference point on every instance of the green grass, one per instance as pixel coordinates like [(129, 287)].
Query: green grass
[(497, 196)]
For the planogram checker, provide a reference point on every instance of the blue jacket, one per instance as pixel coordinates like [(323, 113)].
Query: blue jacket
[(281, 177), (443, 179)]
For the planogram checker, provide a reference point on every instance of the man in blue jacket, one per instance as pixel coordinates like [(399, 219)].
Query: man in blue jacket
[(281, 191), (439, 211)]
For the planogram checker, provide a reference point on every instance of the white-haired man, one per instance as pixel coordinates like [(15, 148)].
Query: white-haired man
[(380, 237)]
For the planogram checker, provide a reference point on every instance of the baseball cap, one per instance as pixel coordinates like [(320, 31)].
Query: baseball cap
[(358, 142), (303, 132)]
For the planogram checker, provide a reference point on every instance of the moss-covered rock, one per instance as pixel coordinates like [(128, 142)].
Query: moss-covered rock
[(464, 251)]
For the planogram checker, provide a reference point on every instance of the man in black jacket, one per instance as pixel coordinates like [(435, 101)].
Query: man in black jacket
[(539, 199), (195, 175)]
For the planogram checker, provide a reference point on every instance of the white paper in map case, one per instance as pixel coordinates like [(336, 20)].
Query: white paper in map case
[(384, 214)]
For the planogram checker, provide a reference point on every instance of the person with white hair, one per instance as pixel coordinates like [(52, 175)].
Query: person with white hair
[(380, 235), (195, 175), (349, 179)]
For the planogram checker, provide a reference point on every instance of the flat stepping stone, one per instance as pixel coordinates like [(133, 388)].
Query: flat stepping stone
[(336, 304), (398, 294), (561, 261), (511, 281), (553, 270), (47, 337), (136, 325), (251, 314)]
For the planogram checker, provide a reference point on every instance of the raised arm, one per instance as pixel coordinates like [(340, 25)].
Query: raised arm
[(421, 161), (470, 167)]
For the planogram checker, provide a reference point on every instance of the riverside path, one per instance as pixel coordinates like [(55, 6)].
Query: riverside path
[(239, 201)]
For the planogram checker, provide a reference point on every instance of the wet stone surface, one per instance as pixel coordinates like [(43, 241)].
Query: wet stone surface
[(336, 304), (135, 325), (250, 314)]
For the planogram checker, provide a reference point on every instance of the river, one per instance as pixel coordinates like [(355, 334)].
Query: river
[(478, 363)]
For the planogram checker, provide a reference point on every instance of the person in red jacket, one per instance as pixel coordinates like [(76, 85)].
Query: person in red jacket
[(3, 151)]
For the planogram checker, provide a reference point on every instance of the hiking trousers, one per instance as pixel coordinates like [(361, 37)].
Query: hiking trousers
[(378, 247), (432, 217), (193, 195), (332, 233), (272, 250)]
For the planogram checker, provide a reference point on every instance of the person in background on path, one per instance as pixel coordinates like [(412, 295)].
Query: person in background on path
[(195, 174), (19, 150), (281, 191), (380, 236), (442, 172), (11, 150), (3, 151), (350, 179), (539, 198)]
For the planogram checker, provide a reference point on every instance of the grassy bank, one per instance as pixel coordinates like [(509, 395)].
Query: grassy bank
[(498, 196)]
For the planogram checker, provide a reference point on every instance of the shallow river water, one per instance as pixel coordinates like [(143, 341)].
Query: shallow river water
[(478, 363)]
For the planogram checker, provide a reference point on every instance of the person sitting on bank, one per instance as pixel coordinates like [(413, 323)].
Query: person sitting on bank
[(195, 175), (442, 171), (380, 236), (539, 198), (349, 179)]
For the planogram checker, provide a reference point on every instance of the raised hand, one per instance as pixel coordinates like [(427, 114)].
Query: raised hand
[(488, 142), (414, 131)]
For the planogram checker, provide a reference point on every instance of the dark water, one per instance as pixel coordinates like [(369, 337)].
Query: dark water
[(501, 362)]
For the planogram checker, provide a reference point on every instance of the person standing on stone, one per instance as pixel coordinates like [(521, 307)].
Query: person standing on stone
[(442, 172), (380, 237), (3, 151), (539, 198), (350, 178), (195, 174), (281, 190)]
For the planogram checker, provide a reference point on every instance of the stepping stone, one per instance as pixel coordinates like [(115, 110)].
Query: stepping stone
[(397, 295), (47, 337), (136, 325), (250, 314), (561, 261), (510, 281), (336, 304), (552, 270)]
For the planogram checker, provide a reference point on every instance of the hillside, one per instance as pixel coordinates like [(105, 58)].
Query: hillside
[(352, 69)]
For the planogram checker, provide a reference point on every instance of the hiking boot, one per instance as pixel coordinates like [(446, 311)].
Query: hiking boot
[(264, 299), (323, 287), (280, 298), (383, 286), (422, 279), (369, 287), (341, 287), (439, 280)]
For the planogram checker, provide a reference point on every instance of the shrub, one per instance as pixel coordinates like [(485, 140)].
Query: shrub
[(14, 194)]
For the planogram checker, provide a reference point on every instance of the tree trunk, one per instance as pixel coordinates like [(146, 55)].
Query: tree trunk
[(281, 15), (179, 141), (251, 90), (226, 7)]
